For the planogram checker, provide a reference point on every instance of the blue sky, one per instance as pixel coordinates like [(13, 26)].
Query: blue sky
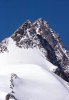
[(14, 12)]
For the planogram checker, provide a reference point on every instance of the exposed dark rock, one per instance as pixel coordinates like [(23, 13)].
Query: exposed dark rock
[(10, 96), (39, 34)]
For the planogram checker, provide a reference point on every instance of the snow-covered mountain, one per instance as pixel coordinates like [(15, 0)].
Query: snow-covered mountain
[(33, 55)]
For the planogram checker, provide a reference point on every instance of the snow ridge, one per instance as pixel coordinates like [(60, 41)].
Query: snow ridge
[(32, 56), (40, 35), (32, 83)]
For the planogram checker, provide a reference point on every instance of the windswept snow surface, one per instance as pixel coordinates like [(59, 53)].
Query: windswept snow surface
[(35, 78), (16, 55), (33, 83)]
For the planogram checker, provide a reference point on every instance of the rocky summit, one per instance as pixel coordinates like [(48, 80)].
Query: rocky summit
[(40, 35), (38, 62)]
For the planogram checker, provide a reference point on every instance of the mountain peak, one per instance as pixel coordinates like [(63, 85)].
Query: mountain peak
[(39, 34), (41, 20)]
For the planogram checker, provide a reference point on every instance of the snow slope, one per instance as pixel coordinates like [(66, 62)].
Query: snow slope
[(35, 80), (33, 83), (24, 56)]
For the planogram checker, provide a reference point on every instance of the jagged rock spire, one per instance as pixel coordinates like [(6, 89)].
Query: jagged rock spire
[(39, 34)]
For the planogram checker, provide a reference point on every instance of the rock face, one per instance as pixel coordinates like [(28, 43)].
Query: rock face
[(10, 97), (39, 34), (12, 94)]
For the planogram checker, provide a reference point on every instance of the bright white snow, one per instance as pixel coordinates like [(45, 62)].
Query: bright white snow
[(35, 81), (24, 56)]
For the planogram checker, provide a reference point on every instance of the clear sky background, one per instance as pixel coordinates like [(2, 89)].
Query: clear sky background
[(14, 12)]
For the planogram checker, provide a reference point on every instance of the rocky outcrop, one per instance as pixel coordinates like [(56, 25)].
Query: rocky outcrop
[(11, 95), (39, 34)]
